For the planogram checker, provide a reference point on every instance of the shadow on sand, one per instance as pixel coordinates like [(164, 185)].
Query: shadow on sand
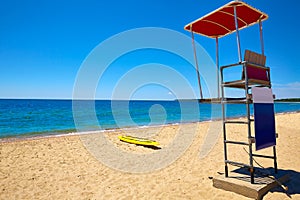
[(292, 184), (149, 146)]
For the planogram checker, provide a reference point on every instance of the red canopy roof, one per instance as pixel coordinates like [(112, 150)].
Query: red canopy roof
[(221, 21)]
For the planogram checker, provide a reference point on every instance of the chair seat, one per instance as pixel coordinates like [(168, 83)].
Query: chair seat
[(251, 83)]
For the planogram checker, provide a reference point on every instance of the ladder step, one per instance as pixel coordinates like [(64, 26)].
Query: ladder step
[(236, 142), (242, 100), (236, 163), (235, 122), (263, 156), (235, 101)]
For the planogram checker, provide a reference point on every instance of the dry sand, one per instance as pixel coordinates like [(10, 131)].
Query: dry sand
[(63, 168)]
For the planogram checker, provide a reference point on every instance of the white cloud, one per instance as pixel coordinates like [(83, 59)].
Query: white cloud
[(288, 90), (287, 85)]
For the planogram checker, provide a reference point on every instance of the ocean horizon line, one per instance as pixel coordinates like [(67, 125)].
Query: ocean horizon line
[(70, 99), (181, 99)]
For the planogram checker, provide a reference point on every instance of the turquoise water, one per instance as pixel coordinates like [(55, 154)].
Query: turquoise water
[(40, 117)]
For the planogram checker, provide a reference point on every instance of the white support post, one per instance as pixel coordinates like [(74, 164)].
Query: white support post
[(218, 66), (237, 34), (196, 62), (261, 38)]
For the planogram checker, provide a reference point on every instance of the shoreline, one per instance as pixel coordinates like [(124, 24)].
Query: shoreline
[(35, 136)]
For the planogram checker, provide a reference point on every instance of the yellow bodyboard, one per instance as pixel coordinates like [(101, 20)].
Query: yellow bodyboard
[(138, 141)]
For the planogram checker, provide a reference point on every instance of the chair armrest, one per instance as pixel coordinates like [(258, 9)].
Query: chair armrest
[(232, 65)]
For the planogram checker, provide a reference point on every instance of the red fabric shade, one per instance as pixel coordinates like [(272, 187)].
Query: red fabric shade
[(221, 21)]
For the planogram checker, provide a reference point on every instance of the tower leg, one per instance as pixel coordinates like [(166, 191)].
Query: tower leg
[(226, 170), (252, 175), (275, 159)]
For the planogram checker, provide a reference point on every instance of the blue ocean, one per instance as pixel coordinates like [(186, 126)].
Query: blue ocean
[(23, 118)]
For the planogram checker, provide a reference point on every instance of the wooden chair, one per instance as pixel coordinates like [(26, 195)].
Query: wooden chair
[(254, 62), (256, 71)]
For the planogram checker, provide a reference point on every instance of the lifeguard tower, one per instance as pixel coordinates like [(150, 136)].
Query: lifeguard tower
[(255, 81)]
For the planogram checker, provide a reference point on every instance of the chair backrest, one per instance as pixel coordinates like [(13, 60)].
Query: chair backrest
[(252, 71)]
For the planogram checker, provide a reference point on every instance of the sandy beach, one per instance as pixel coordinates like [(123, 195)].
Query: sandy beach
[(64, 168)]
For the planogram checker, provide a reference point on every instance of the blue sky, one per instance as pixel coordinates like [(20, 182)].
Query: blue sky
[(44, 43)]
